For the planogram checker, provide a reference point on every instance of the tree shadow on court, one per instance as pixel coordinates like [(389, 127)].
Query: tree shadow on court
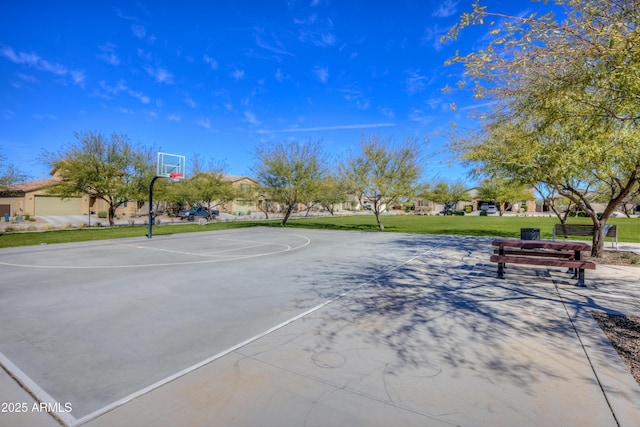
[(446, 307)]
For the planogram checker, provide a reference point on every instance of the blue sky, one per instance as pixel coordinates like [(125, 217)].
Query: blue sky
[(219, 77)]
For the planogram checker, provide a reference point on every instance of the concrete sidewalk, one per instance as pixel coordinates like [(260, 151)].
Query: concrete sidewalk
[(439, 340)]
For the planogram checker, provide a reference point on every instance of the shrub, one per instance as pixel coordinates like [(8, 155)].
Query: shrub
[(458, 213), (102, 214), (483, 213)]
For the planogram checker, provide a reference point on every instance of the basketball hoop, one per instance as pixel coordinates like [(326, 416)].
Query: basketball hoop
[(175, 176)]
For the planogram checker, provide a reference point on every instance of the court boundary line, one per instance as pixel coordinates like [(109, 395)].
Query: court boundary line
[(150, 388), (35, 391), (288, 248)]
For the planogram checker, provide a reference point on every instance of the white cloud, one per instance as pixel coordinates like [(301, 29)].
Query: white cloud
[(356, 97), (278, 48), (108, 54), (415, 82), (7, 114), (78, 78), (316, 31), (237, 74), (417, 115), (44, 117), (205, 123), (212, 62), (280, 76), (174, 118), (387, 112), (322, 73), (139, 31), (447, 8), (121, 87), (160, 74), (143, 55), (251, 118), (190, 102), (35, 61), (141, 97), (121, 15), (122, 110), (32, 60)]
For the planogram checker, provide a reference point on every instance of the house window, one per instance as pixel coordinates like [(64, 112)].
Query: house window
[(245, 187)]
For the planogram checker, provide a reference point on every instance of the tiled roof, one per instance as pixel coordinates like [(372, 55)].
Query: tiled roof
[(234, 178), (32, 185)]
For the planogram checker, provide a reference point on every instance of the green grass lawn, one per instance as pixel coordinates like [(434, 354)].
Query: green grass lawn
[(493, 226)]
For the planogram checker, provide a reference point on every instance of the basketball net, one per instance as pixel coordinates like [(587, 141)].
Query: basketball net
[(175, 176)]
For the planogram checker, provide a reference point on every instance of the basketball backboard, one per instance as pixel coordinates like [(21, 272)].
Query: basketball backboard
[(171, 165)]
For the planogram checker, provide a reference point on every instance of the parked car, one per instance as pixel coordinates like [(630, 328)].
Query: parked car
[(491, 209), (198, 211)]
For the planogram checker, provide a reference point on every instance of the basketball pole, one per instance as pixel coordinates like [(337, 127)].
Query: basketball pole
[(153, 181)]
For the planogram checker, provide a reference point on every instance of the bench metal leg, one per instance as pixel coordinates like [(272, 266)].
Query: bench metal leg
[(501, 270), (581, 278)]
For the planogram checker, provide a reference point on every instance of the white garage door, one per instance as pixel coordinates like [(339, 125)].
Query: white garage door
[(50, 205)]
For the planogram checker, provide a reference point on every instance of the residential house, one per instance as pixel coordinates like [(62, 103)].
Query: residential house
[(32, 198), (245, 204)]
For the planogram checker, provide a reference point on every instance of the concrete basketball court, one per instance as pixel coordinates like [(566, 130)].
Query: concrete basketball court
[(268, 326)]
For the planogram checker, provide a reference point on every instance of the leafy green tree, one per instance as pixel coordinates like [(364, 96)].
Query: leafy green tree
[(211, 189), (566, 95), (108, 168), (447, 193), (504, 193), (383, 174), (330, 192), (289, 172)]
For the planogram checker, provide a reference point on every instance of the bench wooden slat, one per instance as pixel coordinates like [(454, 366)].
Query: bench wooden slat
[(543, 261), (539, 253), (565, 245)]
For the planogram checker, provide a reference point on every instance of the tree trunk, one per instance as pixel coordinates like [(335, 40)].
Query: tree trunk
[(379, 220), (597, 245), (287, 214), (112, 214)]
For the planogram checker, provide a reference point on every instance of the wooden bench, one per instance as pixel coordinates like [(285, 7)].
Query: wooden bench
[(567, 230), (542, 252)]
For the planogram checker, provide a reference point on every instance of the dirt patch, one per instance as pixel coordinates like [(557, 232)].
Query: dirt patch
[(624, 334), (623, 331), (616, 258)]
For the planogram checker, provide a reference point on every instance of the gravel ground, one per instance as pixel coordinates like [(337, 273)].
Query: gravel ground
[(624, 334)]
